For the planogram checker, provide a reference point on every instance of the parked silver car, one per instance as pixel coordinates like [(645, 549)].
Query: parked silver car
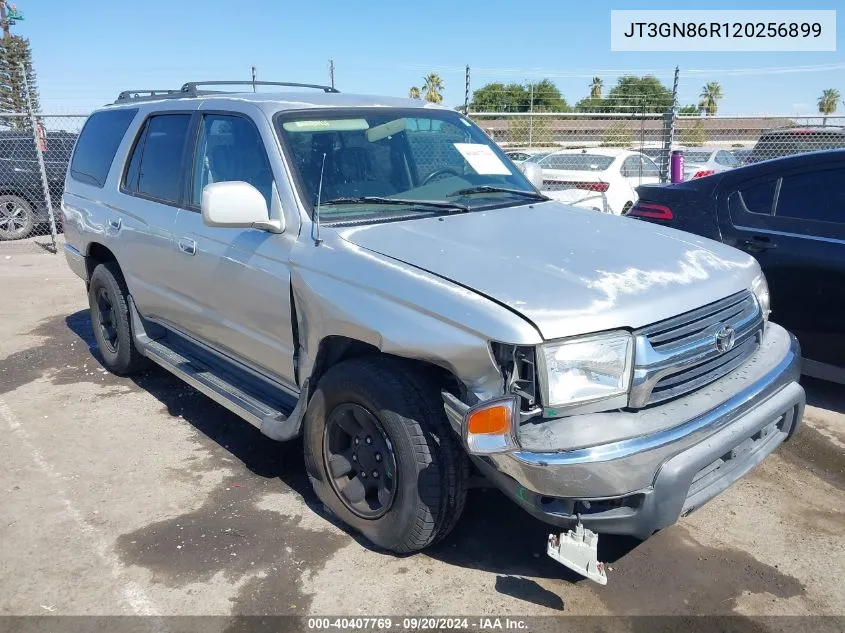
[(375, 275)]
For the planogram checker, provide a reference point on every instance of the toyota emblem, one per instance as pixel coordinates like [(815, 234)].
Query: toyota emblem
[(725, 339)]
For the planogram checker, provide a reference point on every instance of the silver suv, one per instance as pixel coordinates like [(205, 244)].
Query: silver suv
[(375, 275)]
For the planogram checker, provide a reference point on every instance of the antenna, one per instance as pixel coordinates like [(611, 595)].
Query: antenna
[(315, 226)]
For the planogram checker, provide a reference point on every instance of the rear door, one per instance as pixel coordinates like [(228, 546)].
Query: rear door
[(794, 224)]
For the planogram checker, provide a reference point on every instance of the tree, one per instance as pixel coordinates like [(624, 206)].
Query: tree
[(498, 97), (433, 88), (710, 95), (689, 110), (638, 94), (14, 53), (414, 93), (544, 96), (591, 104), (693, 136), (828, 102), (595, 88)]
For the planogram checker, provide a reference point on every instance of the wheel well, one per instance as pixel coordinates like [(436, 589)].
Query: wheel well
[(336, 349), (97, 254)]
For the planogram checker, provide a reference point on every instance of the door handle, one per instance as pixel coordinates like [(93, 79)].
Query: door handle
[(187, 246), (115, 223), (758, 243)]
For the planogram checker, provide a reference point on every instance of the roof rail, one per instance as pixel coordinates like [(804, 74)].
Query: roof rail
[(191, 86), (132, 95)]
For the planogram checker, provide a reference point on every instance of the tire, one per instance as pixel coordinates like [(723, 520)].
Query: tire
[(17, 219), (431, 469), (108, 301)]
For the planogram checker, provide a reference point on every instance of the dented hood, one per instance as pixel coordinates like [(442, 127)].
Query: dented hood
[(566, 270)]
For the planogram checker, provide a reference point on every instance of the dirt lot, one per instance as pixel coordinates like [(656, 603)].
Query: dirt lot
[(142, 496)]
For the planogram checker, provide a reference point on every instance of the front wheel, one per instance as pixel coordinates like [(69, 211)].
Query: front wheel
[(381, 455)]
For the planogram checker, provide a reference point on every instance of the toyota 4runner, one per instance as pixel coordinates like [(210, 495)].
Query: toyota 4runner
[(376, 276)]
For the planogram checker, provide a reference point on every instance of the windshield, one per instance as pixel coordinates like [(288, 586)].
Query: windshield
[(411, 155), (577, 162)]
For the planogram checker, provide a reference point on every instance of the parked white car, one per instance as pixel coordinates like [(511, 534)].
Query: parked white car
[(703, 161), (597, 178)]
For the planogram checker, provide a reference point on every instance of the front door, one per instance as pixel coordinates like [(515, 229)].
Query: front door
[(239, 288)]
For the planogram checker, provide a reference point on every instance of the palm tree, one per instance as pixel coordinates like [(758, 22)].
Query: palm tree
[(432, 88), (595, 88), (414, 93), (828, 102), (710, 95)]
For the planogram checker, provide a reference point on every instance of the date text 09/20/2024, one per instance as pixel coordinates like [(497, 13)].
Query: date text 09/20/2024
[(417, 623)]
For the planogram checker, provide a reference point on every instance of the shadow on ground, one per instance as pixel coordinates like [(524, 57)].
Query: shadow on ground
[(669, 573)]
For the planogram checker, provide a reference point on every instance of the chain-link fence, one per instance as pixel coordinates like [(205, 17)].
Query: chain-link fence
[(34, 155), (572, 147)]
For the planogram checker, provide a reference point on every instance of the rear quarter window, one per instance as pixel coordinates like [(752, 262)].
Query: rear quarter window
[(97, 145)]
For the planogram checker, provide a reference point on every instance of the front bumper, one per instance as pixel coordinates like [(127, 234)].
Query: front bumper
[(642, 484)]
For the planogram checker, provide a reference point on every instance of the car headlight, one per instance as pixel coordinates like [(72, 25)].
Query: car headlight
[(760, 288), (586, 369)]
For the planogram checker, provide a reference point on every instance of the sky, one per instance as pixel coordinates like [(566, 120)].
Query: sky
[(85, 52)]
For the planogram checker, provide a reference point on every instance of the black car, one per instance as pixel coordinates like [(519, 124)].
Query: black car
[(23, 207), (789, 141), (788, 213)]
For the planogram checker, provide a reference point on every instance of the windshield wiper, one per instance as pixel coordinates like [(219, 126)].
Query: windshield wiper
[(450, 206), (488, 189)]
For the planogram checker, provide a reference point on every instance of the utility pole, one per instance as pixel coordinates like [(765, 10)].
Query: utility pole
[(331, 71), (253, 78)]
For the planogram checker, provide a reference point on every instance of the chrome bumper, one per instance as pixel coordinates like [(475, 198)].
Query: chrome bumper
[(640, 484)]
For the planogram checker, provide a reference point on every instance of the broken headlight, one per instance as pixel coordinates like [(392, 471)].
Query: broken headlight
[(585, 369)]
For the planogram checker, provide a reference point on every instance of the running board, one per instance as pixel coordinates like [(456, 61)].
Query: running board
[(271, 417)]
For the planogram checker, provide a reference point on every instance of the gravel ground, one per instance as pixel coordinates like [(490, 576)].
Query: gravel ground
[(142, 496)]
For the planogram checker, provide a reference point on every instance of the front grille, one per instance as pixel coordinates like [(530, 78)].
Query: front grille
[(679, 355)]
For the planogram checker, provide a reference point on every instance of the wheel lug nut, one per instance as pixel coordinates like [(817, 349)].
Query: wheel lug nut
[(378, 457), (354, 458), (369, 440), (363, 475), (375, 474), (357, 440)]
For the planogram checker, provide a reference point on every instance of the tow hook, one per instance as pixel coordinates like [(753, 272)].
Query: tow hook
[(578, 550)]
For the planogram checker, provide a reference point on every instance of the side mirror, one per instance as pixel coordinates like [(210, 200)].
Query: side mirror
[(236, 204), (534, 173)]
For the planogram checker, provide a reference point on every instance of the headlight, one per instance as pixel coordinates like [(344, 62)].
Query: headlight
[(586, 369), (760, 288)]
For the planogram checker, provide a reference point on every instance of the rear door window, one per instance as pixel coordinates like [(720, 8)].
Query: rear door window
[(816, 196), (155, 167), (98, 144)]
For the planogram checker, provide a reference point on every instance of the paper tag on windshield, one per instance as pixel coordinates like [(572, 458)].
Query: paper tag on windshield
[(482, 159)]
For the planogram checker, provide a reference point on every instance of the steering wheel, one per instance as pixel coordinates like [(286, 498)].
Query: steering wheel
[(440, 172)]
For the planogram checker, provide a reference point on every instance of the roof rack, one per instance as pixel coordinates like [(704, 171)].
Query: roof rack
[(190, 90), (191, 86), (132, 95)]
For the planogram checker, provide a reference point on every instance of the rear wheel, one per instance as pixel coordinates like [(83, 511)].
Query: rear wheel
[(381, 456), (108, 301), (17, 218)]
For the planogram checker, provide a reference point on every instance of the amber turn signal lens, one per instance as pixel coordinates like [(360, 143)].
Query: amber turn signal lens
[(494, 420)]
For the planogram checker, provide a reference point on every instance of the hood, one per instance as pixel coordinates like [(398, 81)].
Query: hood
[(566, 270)]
